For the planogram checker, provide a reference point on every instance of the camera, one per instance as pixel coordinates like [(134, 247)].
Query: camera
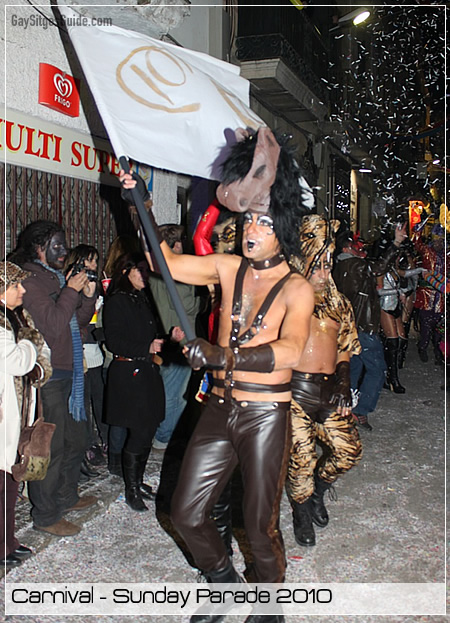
[(79, 266)]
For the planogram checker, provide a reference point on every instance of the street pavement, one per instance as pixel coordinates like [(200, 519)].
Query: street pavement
[(387, 520)]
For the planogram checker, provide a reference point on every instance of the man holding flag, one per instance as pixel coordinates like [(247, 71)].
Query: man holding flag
[(141, 85), (263, 327)]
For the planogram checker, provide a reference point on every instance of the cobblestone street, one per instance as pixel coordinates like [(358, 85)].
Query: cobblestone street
[(386, 525)]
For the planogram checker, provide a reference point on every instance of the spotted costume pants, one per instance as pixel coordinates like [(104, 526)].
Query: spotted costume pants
[(314, 419)]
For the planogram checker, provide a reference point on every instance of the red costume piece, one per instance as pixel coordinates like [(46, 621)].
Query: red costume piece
[(203, 246), (204, 230), (428, 297)]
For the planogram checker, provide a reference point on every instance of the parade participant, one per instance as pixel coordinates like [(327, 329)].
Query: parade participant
[(409, 278), (391, 301), (430, 301), (321, 395), (263, 328), (356, 277)]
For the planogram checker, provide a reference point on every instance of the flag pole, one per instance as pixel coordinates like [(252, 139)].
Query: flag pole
[(159, 257)]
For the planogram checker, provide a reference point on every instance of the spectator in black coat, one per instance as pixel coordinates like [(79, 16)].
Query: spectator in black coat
[(134, 390)]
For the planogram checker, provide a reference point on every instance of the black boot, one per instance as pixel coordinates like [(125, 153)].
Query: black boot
[(115, 464), (131, 476), (438, 357), (391, 346), (227, 575), (403, 346), (146, 490), (221, 514), (87, 470), (303, 526), (406, 328), (319, 514), (423, 354)]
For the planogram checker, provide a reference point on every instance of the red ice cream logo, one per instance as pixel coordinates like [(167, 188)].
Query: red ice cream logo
[(63, 85), (58, 90)]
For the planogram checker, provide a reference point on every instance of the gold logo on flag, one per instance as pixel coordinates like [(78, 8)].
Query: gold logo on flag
[(150, 76), (153, 66)]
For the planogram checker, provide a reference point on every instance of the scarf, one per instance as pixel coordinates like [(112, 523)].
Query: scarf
[(76, 400)]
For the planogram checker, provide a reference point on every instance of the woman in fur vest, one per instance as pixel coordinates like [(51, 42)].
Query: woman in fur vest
[(24, 361)]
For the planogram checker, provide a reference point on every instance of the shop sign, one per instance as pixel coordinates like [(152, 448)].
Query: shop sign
[(31, 142), (59, 90)]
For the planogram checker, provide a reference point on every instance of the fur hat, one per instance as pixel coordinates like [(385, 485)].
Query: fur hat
[(262, 175), (10, 274)]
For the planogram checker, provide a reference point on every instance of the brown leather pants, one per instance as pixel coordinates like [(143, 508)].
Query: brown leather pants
[(256, 436)]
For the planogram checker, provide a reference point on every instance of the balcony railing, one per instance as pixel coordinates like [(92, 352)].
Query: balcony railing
[(266, 32)]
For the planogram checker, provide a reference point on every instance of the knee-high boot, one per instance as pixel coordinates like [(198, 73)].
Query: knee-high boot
[(115, 464), (227, 575), (303, 526), (319, 514), (146, 490), (402, 348), (391, 347), (221, 514), (131, 476)]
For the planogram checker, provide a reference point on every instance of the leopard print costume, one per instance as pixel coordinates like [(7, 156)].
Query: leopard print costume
[(337, 431)]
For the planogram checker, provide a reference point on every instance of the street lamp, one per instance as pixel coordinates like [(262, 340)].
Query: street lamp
[(357, 16), (360, 16)]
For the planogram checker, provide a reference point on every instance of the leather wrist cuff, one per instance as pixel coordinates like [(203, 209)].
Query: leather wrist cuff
[(343, 370), (229, 359), (256, 359)]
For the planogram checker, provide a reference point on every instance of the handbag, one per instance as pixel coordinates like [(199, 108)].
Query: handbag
[(34, 442)]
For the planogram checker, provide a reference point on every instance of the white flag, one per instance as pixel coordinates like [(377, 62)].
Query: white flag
[(161, 104)]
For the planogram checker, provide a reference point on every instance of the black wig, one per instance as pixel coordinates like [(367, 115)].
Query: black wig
[(286, 207)]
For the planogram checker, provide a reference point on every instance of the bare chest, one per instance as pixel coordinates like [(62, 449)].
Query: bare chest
[(321, 348), (249, 315)]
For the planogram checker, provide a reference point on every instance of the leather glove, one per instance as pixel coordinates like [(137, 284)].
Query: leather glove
[(127, 194), (201, 353), (342, 395)]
